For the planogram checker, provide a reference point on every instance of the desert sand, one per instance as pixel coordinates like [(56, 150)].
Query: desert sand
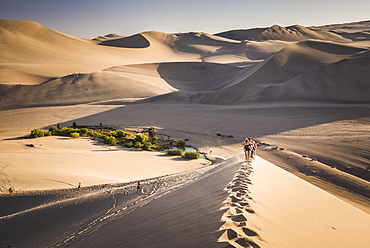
[(59, 162), (303, 92)]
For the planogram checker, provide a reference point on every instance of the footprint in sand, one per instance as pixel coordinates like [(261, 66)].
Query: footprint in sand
[(237, 208)]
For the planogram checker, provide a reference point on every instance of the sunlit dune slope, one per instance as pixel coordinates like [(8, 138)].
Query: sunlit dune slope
[(295, 61), (32, 53)]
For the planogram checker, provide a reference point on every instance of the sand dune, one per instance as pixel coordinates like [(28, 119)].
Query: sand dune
[(123, 82), (343, 81), (276, 32), (54, 163), (352, 27), (291, 62), (32, 53), (82, 88), (228, 84), (226, 204), (44, 53)]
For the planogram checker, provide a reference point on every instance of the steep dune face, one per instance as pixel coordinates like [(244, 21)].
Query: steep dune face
[(292, 62), (344, 81), (304, 56)]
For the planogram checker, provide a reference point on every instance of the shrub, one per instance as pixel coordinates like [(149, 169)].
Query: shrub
[(66, 131), (181, 143), (95, 134), (75, 135), (138, 144), (48, 133), (53, 129), (128, 143), (120, 134), (191, 155), (174, 152), (142, 138), (84, 131), (152, 132), (110, 140), (147, 146), (35, 133), (92, 133)]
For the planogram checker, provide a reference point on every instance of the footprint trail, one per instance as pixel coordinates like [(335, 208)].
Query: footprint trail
[(236, 231)]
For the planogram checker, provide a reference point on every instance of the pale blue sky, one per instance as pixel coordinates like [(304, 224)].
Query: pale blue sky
[(90, 18)]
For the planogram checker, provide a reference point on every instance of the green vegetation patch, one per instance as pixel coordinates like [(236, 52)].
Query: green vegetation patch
[(75, 135), (191, 155), (35, 133), (174, 152), (112, 137), (110, 140)]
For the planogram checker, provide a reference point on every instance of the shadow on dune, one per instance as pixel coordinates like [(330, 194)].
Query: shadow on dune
[(188, 42), (202, 123), (198, 76), (135, 41), (258, 119), (60, 218)]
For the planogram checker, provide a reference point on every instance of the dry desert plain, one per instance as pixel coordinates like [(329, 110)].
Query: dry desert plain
[(301, 91)]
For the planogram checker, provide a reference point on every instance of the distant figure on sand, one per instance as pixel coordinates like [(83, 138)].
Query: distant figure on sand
[(79, 185), (248, 146), (138, 188), (10, 191), (254, 148)]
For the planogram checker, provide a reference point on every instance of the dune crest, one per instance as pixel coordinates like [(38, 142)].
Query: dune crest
[(276, 32), (108, 37)]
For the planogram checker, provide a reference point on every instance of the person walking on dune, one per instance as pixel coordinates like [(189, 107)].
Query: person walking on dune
[(248, 145), (254, 148), (138, 188)]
